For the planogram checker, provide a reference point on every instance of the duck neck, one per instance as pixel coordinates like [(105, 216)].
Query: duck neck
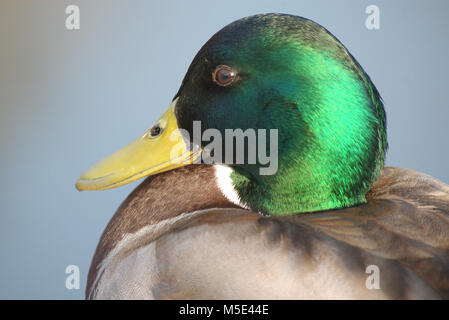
[(296, 190)]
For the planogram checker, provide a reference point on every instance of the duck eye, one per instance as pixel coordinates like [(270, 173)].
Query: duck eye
[(224, 75)]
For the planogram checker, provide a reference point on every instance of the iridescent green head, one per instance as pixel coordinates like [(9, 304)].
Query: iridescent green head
[(279, 72), (292, 75)]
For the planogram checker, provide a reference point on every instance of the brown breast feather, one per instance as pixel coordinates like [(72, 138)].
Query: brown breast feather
[(406, 219)]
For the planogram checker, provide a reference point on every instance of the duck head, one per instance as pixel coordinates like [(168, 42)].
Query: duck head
[(269, 72)]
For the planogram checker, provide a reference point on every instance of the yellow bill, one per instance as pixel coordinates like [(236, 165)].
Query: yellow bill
[(160, 149)]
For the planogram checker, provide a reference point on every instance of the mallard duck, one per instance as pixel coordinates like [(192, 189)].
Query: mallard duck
[(327, 220)]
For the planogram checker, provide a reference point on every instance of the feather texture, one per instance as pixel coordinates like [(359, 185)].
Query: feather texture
[(227, 253)]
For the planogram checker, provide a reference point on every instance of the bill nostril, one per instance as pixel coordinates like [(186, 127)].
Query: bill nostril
[(156, 130)]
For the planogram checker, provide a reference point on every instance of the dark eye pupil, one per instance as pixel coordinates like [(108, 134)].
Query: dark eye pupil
[(155, 131), (224, 75)]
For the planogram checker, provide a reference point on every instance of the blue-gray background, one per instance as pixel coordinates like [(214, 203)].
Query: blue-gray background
[(69, 98)]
